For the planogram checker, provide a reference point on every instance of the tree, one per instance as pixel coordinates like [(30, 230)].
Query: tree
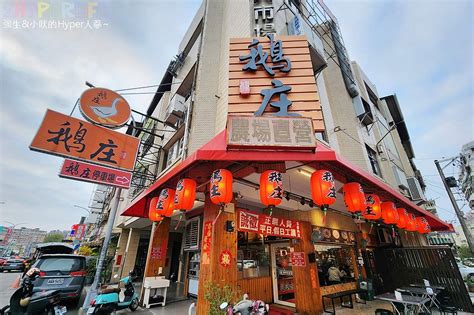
[(465, 252), (54, 238)]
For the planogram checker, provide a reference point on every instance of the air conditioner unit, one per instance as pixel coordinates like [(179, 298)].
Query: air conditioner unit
[(400, 177), (175, 109), (415, 189)]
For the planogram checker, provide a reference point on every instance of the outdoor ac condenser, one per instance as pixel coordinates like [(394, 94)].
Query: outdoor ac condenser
[(415, 189)]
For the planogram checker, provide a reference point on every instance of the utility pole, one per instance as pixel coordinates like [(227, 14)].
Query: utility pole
[(458, 211), (103, 253)]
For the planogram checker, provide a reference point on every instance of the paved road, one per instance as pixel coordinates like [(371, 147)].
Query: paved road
[(6, 279)]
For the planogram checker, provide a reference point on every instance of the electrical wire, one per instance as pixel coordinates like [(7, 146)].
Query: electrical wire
[(147, 86)]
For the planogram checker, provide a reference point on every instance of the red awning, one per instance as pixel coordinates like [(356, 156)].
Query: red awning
[(216, 151)]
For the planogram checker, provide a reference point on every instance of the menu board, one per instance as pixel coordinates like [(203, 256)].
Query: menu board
[(328, 235)]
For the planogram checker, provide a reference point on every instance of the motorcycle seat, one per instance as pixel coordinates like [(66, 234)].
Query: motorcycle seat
[(110, 290)]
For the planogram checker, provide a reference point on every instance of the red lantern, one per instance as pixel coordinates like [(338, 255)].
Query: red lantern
[(389, 213), (221, 186), (165, 204), (354, 197), (423, 226), (152, 213), (323, 188), (185, 194), (373, 210), (411, 223), (402, 218), (271, 188)]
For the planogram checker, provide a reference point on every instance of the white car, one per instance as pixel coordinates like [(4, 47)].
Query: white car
[(465, 270)]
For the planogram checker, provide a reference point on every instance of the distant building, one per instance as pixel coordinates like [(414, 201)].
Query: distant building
[(465, 174), (23, 240)]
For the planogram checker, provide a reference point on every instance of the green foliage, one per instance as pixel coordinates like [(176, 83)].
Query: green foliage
[(216, 295), (464, 252), (53, 238)]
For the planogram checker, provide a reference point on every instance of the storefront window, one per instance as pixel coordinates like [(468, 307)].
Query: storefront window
[(335, 264), (252, 259)]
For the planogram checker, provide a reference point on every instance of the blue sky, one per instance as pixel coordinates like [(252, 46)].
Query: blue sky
[(420, 50)]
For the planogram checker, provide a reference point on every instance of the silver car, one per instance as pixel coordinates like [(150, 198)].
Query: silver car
[(63, 272), (465, 270)]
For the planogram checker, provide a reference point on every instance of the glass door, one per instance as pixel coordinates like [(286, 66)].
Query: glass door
[(282, 272)]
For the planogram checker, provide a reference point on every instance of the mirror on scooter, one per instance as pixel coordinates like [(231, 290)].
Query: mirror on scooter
[(223, 306)]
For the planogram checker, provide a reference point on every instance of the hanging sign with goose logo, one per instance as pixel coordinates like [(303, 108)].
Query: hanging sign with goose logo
[(104, 107)]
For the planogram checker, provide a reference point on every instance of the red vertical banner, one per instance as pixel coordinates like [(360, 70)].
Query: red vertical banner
[(206, 243)]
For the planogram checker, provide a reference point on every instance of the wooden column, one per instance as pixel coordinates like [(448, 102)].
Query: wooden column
[(158, 247), (306, 281), (221, 241)]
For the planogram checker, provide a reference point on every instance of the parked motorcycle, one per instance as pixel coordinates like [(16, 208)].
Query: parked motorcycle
[(113, 299), (245, 307), (24, 302)]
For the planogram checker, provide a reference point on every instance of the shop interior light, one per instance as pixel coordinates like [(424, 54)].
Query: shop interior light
[(306, 171)]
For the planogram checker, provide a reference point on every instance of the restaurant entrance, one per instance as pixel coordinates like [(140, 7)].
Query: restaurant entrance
[(282, 274)]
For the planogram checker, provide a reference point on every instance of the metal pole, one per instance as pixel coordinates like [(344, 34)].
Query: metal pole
[(459, 213), (103, 253), (126, 251)]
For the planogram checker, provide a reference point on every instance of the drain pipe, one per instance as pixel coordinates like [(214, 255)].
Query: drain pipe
[(193, 89)]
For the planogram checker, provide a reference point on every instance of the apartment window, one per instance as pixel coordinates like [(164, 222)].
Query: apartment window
[(373, 161), (174, 152), (372, 96)]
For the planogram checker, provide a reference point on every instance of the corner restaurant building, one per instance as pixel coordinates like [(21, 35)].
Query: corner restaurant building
[(279, 255), (319, 236)]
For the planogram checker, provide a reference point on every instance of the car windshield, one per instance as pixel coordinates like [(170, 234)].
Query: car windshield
[(60, 264)]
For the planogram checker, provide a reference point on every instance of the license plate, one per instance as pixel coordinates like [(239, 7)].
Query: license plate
[(59, 310), (91, 310), (55, 281)]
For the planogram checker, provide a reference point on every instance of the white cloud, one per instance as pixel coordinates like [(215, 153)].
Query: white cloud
[(47, 69)]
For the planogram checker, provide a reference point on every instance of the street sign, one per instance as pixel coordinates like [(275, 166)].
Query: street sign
[(88, 172), (71, 137), (104, 107)]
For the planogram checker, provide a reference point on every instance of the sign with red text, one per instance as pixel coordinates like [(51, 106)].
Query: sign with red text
[(92, 173), (67, 136), (268, 225), (297, 259), (206, 243)]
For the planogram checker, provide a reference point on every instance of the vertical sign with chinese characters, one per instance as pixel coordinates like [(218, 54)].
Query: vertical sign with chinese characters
[(280, 75), (206, 243), (268, 225), (88, 172), (67, 136)]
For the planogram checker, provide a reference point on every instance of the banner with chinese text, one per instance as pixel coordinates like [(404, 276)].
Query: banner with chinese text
[(67, 136), (268, 225)]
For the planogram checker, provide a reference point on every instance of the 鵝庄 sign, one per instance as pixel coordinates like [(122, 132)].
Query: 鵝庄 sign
[(251, 131)]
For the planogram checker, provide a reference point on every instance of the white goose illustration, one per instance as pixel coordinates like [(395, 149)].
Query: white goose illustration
[(106, 112)]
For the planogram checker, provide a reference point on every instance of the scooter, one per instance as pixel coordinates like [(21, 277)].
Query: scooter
[(24, 302), (113, 299), (245, 307)]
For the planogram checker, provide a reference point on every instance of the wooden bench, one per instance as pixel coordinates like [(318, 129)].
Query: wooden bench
[(340, 295)]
